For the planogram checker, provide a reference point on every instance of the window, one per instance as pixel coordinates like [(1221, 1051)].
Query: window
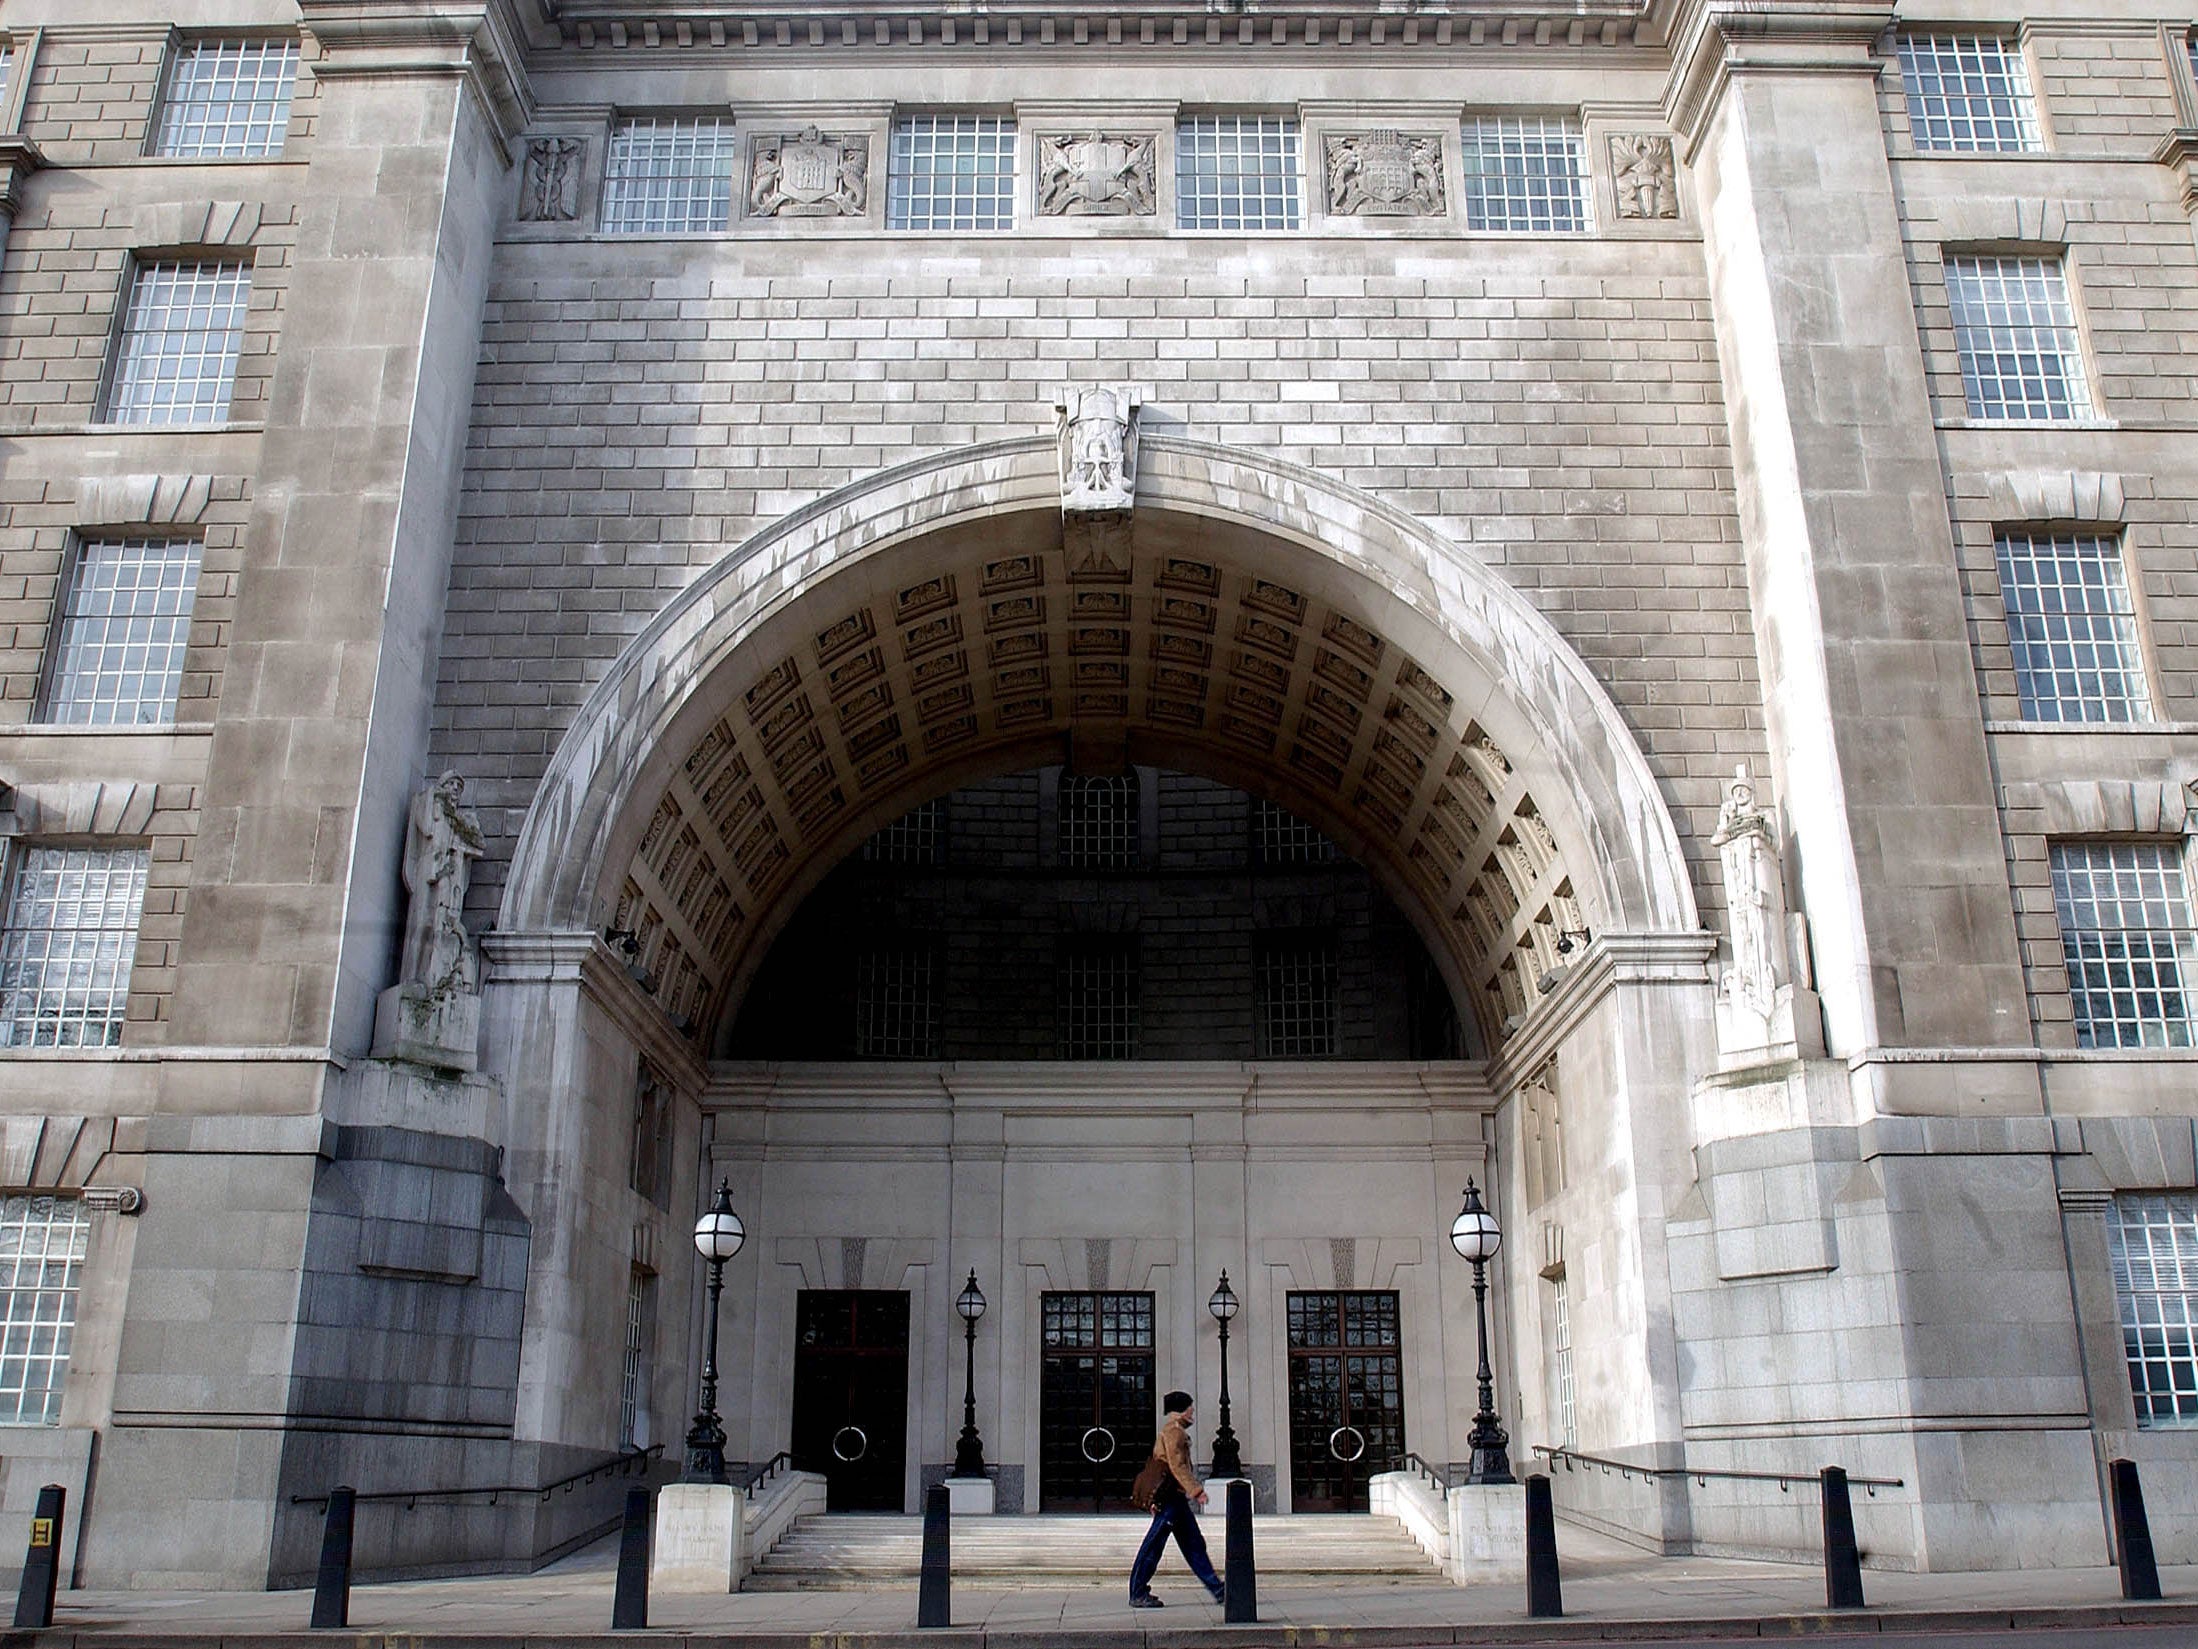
[(2016, 333), (2126, 934), (1280, 837), (2153, 1244), (896, 1009), (176, 359), (1099, 823), (1099, 998), (650, 1171), (2073, 628), (917, 837), (7, 72), (1967, 94), (42, 1242), (227, 100), (1297, 998), (669, 177), (633, 1365), (1560, 1340), (1526, 176), (1236, 172), (951, 172), (123, 628), (66, 949)]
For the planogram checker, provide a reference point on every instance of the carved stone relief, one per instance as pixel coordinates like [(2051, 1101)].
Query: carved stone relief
[(1384, 174), (1094, 175), (1641, 171), (549, 182), (1098, 429), (809, 174)]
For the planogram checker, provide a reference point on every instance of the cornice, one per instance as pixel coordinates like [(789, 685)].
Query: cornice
[(482, 41), (1713, 39), (578, 959), (2179, 149), (1656, 960), (19, 157)]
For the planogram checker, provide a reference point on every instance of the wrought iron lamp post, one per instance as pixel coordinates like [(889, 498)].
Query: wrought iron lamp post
[(718, 1236), (969, 1449), (1228, 1460), (1476, 1236)]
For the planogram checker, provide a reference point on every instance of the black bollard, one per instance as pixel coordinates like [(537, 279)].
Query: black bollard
[(1544, 1596), (1842, 1559), (630, 1603), (935, 1592), (332, 1590), (1239, 1574), (2132, 1534), (42, 1561)]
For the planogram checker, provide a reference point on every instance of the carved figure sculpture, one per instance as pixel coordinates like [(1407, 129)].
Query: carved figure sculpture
[(1641, 171), (807, 174), (1098, 434), (1093, 175), (442, 839), (549, 186), (1755, 896), (1384, 174)]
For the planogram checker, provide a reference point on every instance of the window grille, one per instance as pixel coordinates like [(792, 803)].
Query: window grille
[(669, 177), (1237, 172), (2152, 1242), (951, 172), (2073, 628), (1297, 999), (917, 837), (1098, 818), (176, 360), (1099, 999), (66, 950), (896, 1007), (1560, 1312), (1967, 94), (633, 1365), (2016, 332), (42, 1243), (1526, 176), (2127, 936), (1280, 837), (227, 100), (124, 625)]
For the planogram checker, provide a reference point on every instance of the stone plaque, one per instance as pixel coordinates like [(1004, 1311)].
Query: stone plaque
[(1642, 172), (1094, 175), (1384, 174), (549, 181), (809, 174)]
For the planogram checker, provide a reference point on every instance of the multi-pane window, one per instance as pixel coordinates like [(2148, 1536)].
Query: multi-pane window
[(1526, 176), (2073, 628), (1297, 997), (896, 1004), (176, 359), (1967, 94), (633, 1363), (2190, 48), (952, 172), (2126, 933), (1098, 819), (669, 177), (917, 837), (65, 952), (124, 624), (227, 100), (2016, 332), (1098, 998), (1280, 837), (1560, 1338), (1237, 172), (2152, 1241), (7, 72), (42, 1241)]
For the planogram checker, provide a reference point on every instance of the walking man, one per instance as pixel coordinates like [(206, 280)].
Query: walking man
[(1174, 1505)]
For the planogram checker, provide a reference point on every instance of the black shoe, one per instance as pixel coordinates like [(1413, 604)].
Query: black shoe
[(1218, 1594), (1145, 1600)]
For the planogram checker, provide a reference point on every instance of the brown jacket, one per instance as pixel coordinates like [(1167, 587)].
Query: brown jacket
[(1174, 1446)]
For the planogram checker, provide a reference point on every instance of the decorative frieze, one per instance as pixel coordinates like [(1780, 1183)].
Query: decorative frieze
[(1385, 173), (809, 174), (549, 180), (1095, 175), (1643, 175)]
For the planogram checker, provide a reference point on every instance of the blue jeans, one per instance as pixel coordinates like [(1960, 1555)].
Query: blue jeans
[(1174, 1514)]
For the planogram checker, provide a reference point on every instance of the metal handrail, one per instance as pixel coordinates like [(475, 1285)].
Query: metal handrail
[(1413, 1463), (621, 1464), (765, 1472), (1703, 1474)]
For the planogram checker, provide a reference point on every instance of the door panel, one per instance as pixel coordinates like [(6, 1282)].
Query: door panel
[(851, 1395), (1095, 1398), (1346, 1396)]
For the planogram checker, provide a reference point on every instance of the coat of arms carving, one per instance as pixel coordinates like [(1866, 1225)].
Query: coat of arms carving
[(1093, 175), (809, 174), (1642, 173), (1384, 174)]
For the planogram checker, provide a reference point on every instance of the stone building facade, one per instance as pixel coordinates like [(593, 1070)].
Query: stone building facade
[(1696, 501)]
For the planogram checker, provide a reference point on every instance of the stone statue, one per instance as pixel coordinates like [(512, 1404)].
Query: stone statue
[(442, 840), (1642, 172), (1766, 1006), (1098, 432)]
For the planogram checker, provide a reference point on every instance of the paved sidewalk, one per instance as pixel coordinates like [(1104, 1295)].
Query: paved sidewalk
[(1609, 1592)]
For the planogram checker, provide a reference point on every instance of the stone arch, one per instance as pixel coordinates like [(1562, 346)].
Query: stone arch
[(1264, 624)]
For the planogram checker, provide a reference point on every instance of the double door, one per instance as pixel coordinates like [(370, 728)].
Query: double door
[(1098, 1408), (1346, 1396), (851, 1395)]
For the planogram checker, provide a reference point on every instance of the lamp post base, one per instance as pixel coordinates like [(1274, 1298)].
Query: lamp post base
[(970, 1497), (705, 1451)]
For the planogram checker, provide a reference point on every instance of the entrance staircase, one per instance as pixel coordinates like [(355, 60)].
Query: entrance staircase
[(851, 1550)]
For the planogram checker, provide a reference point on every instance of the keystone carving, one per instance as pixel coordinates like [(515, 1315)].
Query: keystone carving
[(809, 174), (1094, 175), (549, 183), (1384, 174), (1098, 431), (1641, 169)]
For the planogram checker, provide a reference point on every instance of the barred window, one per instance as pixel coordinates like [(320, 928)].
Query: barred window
[(176, 359), (669, 177), (1560, 1314), (953, 172), (896, 1005), (1526, 176), (1280, 837), (917, 837), (123, 627), (1098, 1001), (1967, 94), (1297, 998), (633, 1365), (2126, 933), (2073, 628), (1098, 818), (227, 100), (2016, 331), (65, 952), (1237, 172), (2152, 1242), (42, 1243)]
